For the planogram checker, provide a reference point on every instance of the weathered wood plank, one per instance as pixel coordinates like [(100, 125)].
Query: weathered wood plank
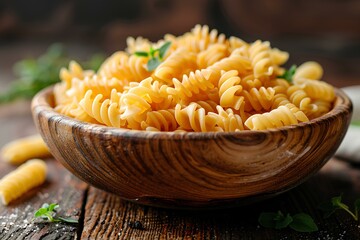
[(107, 216), (60, 187)]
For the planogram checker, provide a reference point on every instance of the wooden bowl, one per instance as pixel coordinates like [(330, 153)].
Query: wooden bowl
[(191, 170)]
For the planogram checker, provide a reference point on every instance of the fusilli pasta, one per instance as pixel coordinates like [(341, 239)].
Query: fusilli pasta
[(23, 149), (27, 176), (202, 81)]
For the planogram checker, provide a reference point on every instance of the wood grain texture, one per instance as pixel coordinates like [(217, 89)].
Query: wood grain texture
[(192, 169), (108, 216), (60, 187)]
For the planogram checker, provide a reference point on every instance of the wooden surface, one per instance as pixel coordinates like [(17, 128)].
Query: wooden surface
[(105, 216)]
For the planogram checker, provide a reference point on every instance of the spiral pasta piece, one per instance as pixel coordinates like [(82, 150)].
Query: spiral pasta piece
[(308, 70), (137, 44), (227, 120), (208, 105), (162, 120), (29, 175), (279, 117), (211, 55), (233, 62), (229, 87), (258, 99), (248, 82), (103, 110), (193, 118), (176, 65), (201, 80), (74, 71), (200, 38), (124, 67), (20, 150), (322, 107), (318, 90), (191, 84), (299, 97), (261, 59), (236, 43)]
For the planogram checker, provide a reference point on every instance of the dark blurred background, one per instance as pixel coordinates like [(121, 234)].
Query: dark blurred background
[(327, 31)]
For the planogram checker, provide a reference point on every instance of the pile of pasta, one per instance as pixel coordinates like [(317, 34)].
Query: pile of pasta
[(205, 82)]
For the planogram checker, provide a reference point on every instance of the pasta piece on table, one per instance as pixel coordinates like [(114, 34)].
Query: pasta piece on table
[(27, 176), (20, 150)]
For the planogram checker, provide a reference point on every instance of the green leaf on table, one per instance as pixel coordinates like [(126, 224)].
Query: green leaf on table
[(47, 211), (336, 203), (53, 206), (267, 219), (303, 223), (300, 222), (327, 208), (40, 212), (274, 220), (283, 221), (68, 220)]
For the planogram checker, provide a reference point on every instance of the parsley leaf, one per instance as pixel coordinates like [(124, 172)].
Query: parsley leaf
[(141, 54), (48, 212), (300, 222), (288, 74), (303, 223), (153, 63), (336, 203), (156, 56), (163, 49)]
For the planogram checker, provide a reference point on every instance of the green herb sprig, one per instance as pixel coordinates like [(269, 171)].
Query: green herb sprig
[(300, 222), (156, 56), (336, 204), (289, 74), (48, 212), (35, 74)]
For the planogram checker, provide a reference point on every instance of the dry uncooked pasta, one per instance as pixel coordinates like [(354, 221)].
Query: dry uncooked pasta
[(25, 177), (20, 150), (203, 82)]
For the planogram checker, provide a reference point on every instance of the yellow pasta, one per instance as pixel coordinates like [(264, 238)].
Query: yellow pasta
[(211, 55), (20, 150), (229, 88), (309, 70), (227, 121), (193, 84), (279, 117), (193, 118), (203, 81), (176, 65), (162, 120), (27, 176)]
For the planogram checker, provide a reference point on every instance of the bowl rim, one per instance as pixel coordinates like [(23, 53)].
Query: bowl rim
[(41, 103)]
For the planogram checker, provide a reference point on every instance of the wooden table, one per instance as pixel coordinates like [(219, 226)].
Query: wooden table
[(105, 216)]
